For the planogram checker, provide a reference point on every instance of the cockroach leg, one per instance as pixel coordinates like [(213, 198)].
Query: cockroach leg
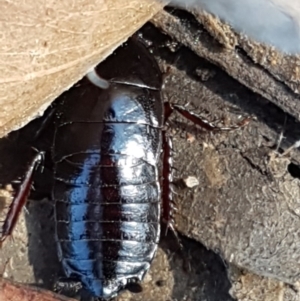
[(197, 120), (167, 189), (20, 198)]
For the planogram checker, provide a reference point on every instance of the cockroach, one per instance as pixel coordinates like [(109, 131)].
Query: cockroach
[(107, 189)]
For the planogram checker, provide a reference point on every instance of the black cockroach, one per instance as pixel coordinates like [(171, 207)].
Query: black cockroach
[(107, 189)]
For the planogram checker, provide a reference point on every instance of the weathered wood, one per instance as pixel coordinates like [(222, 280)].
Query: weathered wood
[(47, 47)]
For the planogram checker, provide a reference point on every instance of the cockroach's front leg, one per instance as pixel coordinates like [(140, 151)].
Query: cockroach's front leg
[(20, 198)]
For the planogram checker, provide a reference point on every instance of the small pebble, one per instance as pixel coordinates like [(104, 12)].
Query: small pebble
[(191, 181), (190, 138)]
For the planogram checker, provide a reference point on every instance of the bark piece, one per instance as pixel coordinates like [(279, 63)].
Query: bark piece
[(277, 76)]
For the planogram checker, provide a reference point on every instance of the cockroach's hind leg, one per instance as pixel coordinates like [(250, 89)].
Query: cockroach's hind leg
[(20, 198), (167, 191), (167, 195)]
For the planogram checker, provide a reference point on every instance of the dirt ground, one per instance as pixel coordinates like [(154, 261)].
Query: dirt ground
[(245, 207)]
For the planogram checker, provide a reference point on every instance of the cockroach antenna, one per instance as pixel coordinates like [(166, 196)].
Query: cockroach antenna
[(287, 151), (280, 138)]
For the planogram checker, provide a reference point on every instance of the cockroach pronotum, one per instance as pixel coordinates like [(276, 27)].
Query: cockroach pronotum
[(107, 189)]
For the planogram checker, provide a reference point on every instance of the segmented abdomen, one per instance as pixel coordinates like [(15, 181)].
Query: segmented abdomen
[(107, 206)]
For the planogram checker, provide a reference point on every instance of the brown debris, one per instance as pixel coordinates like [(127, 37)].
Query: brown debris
[(10, 291)]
